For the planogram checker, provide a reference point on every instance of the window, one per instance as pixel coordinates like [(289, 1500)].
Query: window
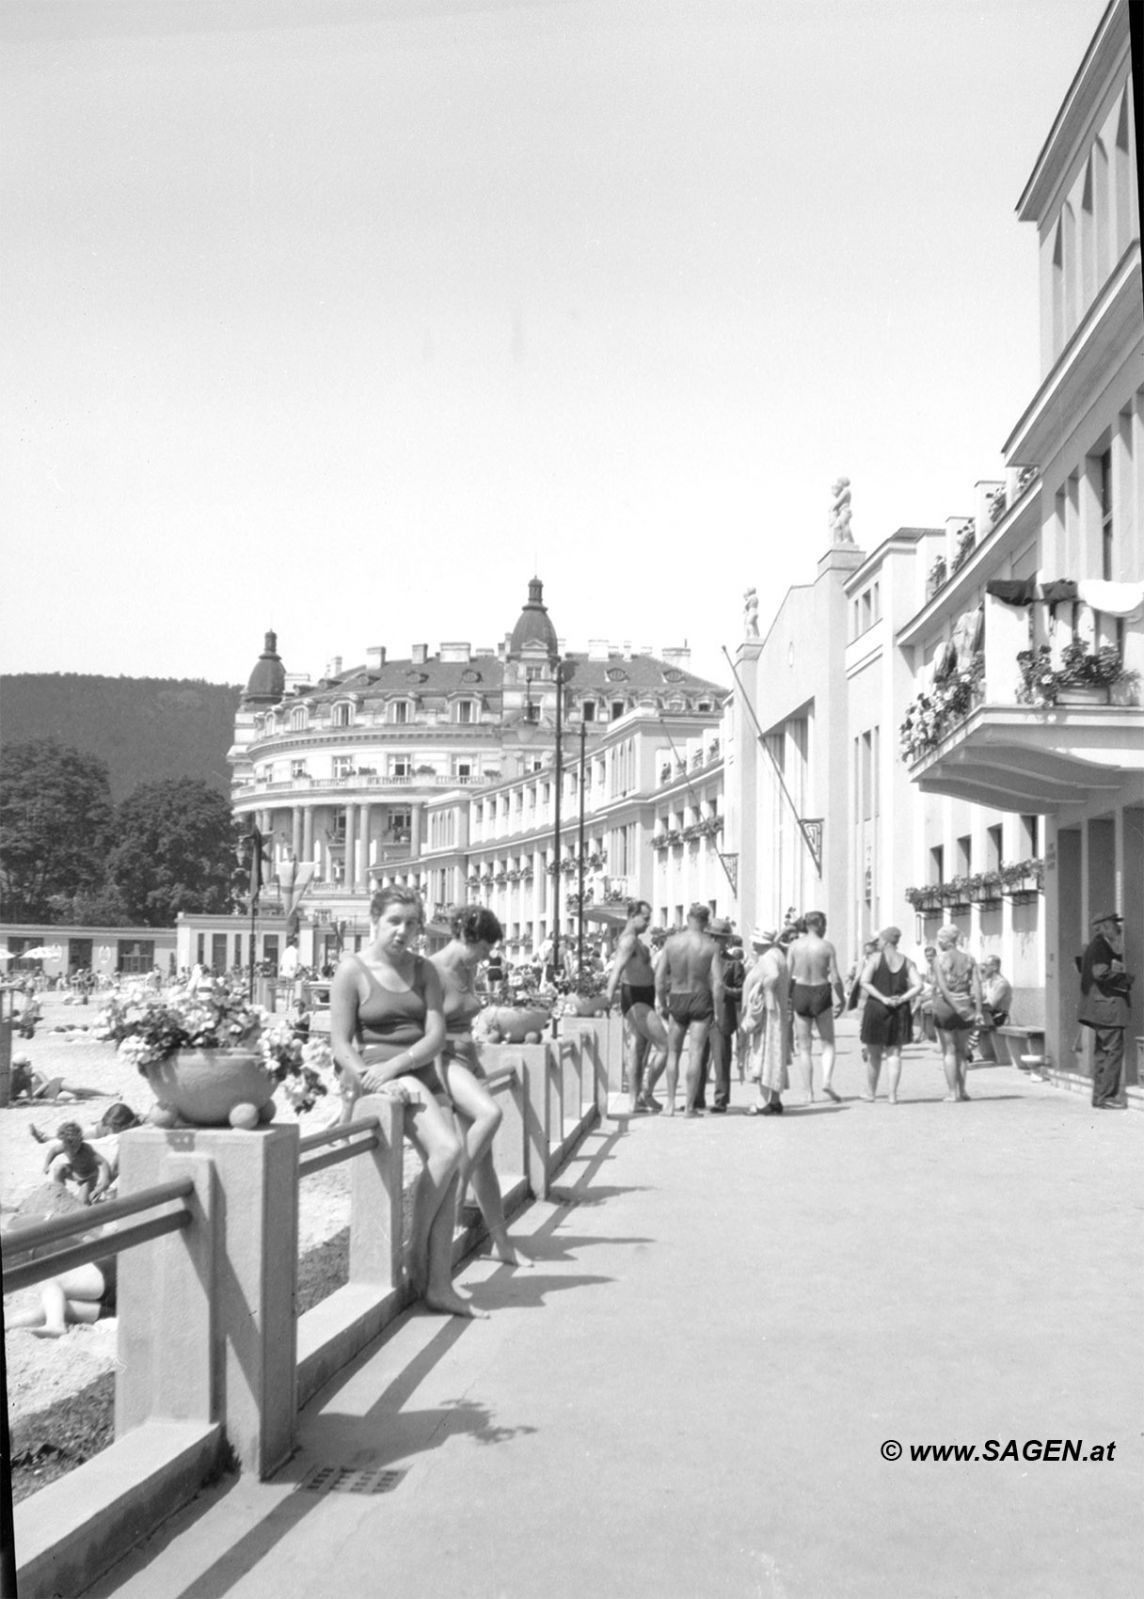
[(401, 711), (1105, 485), (400, 823), (937, 864), (705, 705), (400, 765), (465, 711), (617, 709), (297, 768), (588, 710), (343, 765), (531, 712), (464, 769), (343, 715), (299, 718), (964, 856), (1030, 836), (993, 848)]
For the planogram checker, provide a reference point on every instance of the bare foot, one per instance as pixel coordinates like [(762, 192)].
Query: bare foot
[(505, 1251), (47, 1332), (963, 1096), (950, 1099), (669, 1110), (830, 1094), (867, 1096), (448, 1302), (892, 1099)]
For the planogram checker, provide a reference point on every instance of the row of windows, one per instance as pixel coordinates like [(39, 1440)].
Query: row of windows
[(1027, 848), (865, 609), (463, 712)]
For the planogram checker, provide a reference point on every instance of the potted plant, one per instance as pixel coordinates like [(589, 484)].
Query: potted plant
[(927, 899), (938, 573), (966, 543), (1023, 881), (955, 894), (204, 1054), (985, 888), (1083, 677), (665, 772)]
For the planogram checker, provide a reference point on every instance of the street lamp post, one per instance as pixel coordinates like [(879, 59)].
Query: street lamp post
[(559, 773), (580, 918)]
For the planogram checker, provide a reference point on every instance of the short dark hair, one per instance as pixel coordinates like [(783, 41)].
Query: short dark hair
[(699, 913), (395, 894), (815, 922), (637, 905), (69, 1130), (476, 924)]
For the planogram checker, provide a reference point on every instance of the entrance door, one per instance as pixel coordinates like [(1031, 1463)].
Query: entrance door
[(218, 953)]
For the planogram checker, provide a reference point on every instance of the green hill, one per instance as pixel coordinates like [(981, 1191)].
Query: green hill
[(143, 728)]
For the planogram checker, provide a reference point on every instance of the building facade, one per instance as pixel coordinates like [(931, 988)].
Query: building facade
[(1049, 728), (439, 771)]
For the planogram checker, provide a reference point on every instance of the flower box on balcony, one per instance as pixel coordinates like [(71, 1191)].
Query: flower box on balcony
[(1023, 881), (1091, 695), (926, 901)]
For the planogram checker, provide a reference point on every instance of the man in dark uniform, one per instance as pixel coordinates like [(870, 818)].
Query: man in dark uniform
[(1104, 989)]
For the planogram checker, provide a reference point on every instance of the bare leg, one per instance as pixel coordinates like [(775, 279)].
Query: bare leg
[(696, 1038), (873, 1069), (479, 1117), (432, 1134), (439, 1292), (803, 1045), (637, 1050), (675, 1035), (894, 1066), (70, 1299), (650, 1024), (949, 1063), (962, 1045), (826, 1033)]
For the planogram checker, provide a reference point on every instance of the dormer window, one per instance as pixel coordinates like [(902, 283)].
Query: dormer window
[(466, 711), (588, 710), (618, 709), (401, 712), (299, 719), (343, 714)]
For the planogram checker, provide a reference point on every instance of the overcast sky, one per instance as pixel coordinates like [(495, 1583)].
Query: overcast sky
[(343, 318)]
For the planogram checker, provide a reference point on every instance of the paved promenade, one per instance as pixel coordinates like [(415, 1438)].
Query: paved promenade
[(687, 1396)]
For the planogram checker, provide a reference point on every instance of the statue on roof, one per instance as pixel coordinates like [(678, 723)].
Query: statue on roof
[(751, 614), (840, 512)]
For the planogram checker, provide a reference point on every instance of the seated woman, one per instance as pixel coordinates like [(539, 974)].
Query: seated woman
[(387, 1027), (956, 1008), (29, 1084), (475, 931)]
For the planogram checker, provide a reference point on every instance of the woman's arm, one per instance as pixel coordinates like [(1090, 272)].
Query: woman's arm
[(345, 998), (916, 984), (866, 981)]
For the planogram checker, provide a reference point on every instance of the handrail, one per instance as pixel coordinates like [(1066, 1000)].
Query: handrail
[(36, 1271), (46, 1232), (502, 1075), (329, 1135)]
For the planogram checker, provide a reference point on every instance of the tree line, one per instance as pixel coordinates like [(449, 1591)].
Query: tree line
[(70, 855)]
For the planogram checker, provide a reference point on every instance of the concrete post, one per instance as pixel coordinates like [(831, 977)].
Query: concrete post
[(207, 1327), (509, 1144), (375, 1199), (533, 1061), (571, 1083)]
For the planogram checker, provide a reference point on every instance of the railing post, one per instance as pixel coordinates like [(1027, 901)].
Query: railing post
[(509, 1144), (213, 1308), (533, 1060), (571, 1048), (376, 1198)]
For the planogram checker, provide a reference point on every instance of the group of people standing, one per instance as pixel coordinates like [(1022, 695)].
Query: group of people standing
[(696, 990)]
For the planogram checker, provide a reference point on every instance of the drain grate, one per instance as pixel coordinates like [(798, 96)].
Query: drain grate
[(348, 1480)]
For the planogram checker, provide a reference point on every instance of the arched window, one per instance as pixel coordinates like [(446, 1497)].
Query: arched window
[(343, 715), (299, 719)]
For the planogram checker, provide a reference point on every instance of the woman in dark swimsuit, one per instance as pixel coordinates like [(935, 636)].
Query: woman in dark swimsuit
[(889, 982), (387, 1026), (475, 931)]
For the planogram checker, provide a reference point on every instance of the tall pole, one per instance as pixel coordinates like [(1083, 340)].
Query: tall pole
[(556, 820), (580, 919)]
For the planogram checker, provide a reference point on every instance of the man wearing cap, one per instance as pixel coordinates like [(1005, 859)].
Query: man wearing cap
[(688, 982), (1104, 991), (719, 1048)]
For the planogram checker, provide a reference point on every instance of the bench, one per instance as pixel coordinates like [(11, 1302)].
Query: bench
[(1014, 1040)]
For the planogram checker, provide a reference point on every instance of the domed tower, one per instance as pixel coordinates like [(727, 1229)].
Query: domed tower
[(534, 633), (268, 680)]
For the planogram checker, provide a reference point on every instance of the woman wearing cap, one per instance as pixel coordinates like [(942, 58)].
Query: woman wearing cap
[(766, 1021), (956, 1007), (475, 932), (889, 982)]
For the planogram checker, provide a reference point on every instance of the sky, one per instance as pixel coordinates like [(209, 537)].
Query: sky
[(344, 317)]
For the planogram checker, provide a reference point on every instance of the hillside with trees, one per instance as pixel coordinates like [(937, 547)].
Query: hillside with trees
[(143, 729)]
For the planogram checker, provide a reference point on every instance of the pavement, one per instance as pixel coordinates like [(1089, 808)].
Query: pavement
[(699, 1387)]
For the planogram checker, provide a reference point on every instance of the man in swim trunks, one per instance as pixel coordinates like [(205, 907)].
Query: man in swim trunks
[(814, 983), (688, 983), (644, 1032)]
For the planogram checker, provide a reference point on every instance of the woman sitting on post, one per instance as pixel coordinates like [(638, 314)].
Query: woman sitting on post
[(387, 1027), (956, 1008), (475, 932)]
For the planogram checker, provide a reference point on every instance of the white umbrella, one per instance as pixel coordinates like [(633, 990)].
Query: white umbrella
[(42, 952), (5, 954)]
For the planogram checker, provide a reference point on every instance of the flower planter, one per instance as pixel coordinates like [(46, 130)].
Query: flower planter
[(585, 1005), (514, 1023), (1092, 694), (205, 1086), (1022, 896)]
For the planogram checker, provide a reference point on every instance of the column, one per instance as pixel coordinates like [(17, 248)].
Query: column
[(296, 832), (350, 857), (415, 830), (307, 832), (365, 814)]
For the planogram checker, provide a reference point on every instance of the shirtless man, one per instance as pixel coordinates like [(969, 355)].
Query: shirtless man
[(644, 1031), (688, 982), (814, 977)]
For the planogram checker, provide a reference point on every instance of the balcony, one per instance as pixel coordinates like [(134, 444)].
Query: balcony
[(1012, 732)]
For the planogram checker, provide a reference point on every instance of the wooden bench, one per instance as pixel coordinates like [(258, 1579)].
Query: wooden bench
[(1013, 1041)]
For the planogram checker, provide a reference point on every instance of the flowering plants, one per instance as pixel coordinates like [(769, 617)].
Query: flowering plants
[(1041, 681), (931, 715), (148, 1027), (301, 1065)]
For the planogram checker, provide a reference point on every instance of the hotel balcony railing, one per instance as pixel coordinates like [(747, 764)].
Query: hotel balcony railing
[(994, 733)]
